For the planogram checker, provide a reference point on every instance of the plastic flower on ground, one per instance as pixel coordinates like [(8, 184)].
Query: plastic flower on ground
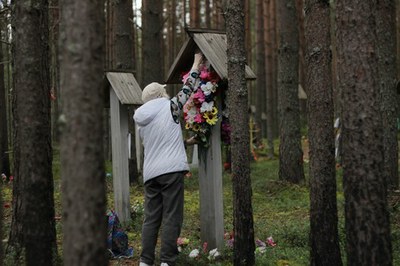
[(270, 242), (194, 253), (261, 247), (229, 239), (182, 242), (213, 254)]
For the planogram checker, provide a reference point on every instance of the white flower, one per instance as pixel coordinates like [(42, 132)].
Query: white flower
[(194, 253), (260, 250), (205, 106), (179, 249), (214, 253), (208, 88)]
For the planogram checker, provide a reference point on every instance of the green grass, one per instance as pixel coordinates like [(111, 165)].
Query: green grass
[(281, 211)]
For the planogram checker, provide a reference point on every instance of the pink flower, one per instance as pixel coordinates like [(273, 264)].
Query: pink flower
[(199, 97), (198, 118), (205, 247), (260, 243), (204, 74), (270, 242)]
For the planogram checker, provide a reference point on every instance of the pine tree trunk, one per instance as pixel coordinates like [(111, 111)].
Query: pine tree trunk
[(124, 60), (290, 151), (82, 158), (324, 238), (269, 71), (386, 23), (54, 67), (194, 13), (274, 47), (152, 41), (238, 108), (4, 159), (1, 226), (366, 211), (33, 203), (260, 59)]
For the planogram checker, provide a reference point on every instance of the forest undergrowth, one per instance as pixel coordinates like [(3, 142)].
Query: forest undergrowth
[(280, 209)]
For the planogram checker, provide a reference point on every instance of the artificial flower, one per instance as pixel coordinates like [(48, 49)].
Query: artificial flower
[(270, 242), (194, 253), (210, 118), (208, 88), (205, 106), (200, 112), (213, 254)]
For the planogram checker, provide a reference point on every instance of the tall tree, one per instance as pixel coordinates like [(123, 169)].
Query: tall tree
[(1, 161), (124, 61), (194, 13), (324, 238), (1, 225), (238, 106), (54, 16), (260, 59), (152, 39), (366, 214), (4, 159), (290, 151), (83, 179), (219, 21), (386, 33), (269, 37), (33, 203)]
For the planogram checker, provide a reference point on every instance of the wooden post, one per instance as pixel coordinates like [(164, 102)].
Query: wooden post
[(211, 193), (119, 141)]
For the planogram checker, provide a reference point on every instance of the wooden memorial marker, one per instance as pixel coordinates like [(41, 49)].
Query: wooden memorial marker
[(213, 45), (124, 90)]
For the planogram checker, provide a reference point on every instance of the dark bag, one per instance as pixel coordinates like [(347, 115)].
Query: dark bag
[(117, 239)]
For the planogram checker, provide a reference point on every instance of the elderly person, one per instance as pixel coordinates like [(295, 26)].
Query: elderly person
[(165, 164)]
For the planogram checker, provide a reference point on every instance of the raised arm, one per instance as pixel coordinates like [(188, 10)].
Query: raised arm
[(188, 88)]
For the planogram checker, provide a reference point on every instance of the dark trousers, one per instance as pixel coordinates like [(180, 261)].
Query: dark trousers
[(163, 205)]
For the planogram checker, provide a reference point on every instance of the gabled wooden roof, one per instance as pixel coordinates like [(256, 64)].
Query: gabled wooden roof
[(213, 45), (126, 87)]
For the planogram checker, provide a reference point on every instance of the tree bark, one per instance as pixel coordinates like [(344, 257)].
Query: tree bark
[(386, 23), (244, 245), (83, 178), (324, 238), (269, 31), (152, 41), (194, 13), (366, 211), (124, 60), (54, 17), (260, 59), (33, 203), (4, 158), (290, 151)]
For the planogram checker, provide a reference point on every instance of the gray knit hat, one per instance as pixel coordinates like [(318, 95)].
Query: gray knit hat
[(153, 91)]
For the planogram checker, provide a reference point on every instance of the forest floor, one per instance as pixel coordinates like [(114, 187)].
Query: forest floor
[(281, 216)]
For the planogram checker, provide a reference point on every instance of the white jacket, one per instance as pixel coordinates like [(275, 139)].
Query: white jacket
[(164, 151)]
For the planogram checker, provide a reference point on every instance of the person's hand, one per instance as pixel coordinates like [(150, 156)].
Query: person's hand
[(198, 59), (191, 141)]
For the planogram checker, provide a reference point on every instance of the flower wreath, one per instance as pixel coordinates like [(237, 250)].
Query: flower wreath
[(200, 111)]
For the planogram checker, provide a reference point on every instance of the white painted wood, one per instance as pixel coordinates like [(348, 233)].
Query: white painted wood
[(139, 150), (211, 193), (126, 87), (195, 157), (119, 145)]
